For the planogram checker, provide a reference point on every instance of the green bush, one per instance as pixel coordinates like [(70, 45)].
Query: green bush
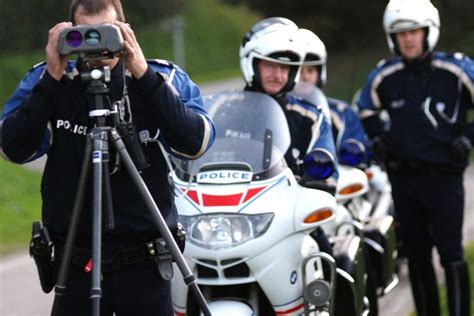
[(20, 205)]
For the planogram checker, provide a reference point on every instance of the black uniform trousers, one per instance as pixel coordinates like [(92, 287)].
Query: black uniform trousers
[(135, 289), (430, 209)]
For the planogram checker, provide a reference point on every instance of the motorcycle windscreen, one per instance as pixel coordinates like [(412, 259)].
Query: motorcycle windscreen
[(251, 130)]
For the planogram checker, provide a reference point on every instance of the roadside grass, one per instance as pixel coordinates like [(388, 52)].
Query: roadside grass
[(20, 205)]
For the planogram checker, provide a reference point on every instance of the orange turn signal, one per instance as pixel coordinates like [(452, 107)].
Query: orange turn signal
[(369, 174), (318, 215), (351, 189)]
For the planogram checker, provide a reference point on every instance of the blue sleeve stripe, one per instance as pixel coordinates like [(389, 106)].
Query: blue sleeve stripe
[(336, 120), (458, 72), (363, 114), (303, 111), (205, 141), (381, 75), (189, 93)]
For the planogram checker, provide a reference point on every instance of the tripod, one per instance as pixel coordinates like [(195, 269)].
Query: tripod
[(97, 150)]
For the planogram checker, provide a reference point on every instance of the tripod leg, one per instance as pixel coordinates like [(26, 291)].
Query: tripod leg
[(60, 287), (100, 146), (109, 220), (188, 277)]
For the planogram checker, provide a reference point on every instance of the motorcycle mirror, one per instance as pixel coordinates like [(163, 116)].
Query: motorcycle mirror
[(318, 164), (351, 153)]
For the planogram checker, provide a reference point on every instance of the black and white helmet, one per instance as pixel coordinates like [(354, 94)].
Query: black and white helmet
[(273, 39), (404, 15)]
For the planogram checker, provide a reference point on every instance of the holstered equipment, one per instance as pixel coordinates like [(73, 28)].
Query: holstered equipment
[(41, 249), (162, 258)]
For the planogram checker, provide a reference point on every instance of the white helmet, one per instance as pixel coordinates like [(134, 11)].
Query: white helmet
[(273, 39), (314, 53), (404, 15)]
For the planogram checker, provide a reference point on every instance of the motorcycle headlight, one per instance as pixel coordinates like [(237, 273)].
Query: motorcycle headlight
[(217, 231)]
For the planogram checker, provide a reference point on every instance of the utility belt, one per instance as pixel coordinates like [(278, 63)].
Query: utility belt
[(404, 166), (41, 249), (113, 260)]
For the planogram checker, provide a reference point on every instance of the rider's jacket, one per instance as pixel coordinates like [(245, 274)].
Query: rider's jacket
[(427, 103), (345, 123), (52, 117), (309, 129)]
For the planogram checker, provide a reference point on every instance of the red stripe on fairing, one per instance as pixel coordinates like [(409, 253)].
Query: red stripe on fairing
[(252, 192), (291, 310), (192, 194), (176, 313), (221, 200)]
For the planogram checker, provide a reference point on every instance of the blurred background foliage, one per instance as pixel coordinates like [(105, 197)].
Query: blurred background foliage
[(350, 22), (340, 23), (24, 24)]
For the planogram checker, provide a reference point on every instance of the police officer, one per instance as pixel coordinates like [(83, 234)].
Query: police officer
[(346, 124), (270, 57), (48, 113), (425, 148)]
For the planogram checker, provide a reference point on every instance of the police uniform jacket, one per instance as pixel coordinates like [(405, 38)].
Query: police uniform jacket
[(345, 123), (52, 117), (309, 129), (427, 103)]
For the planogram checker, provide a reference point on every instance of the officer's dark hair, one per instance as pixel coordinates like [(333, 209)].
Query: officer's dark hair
[(92, 7)]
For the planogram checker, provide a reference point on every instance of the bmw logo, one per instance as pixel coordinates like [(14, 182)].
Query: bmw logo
[(293, 277)]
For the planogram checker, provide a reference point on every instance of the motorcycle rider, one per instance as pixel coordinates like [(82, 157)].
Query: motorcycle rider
[(345, 121), (269, 61), (426, 147)]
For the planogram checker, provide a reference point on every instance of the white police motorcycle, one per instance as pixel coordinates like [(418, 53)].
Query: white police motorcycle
[(248, 219)]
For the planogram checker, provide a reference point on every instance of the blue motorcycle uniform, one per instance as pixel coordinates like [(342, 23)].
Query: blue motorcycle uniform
[(45, 116), (345, 123), (309, 129), (427, 102)]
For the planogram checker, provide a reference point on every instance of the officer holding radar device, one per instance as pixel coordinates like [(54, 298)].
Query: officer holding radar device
[(154, 106)]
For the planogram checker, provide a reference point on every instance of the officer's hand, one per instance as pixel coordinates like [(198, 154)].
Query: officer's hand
[(56, 63), (461, 147), (136, 62)]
